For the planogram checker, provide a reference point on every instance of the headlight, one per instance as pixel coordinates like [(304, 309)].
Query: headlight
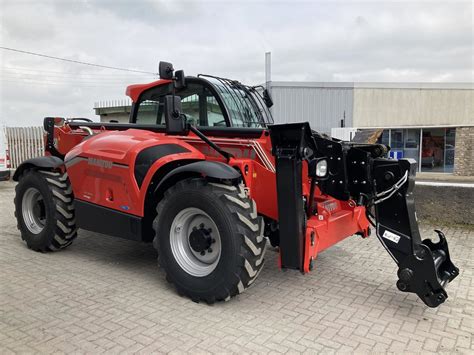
[(322, 168)]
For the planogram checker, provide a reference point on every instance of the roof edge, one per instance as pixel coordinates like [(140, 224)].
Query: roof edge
[(375, 85)]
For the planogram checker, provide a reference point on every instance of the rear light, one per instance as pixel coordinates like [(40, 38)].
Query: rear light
[(7, 162)]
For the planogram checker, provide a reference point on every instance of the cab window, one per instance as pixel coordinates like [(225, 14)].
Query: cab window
[(198, 104)]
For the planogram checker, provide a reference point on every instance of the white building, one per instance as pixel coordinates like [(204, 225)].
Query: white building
[(430, 122)]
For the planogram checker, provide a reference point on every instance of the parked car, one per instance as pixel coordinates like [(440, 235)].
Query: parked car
[(4, 156)]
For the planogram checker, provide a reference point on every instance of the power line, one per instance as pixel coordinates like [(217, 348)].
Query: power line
[(90, 73), (49, 83), (75, 61), (69, 78)]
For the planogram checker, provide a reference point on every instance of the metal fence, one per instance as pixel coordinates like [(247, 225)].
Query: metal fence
[(24, 143)]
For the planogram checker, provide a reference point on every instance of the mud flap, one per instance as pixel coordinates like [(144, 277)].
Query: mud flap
[(424, 267)]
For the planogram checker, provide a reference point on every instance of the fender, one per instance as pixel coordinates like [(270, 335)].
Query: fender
[(46, 162), (211, 169)]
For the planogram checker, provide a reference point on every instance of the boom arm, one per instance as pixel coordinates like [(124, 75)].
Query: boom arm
[(424, 267), (359, 173)]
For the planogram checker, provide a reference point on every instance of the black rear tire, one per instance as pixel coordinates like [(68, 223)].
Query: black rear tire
[(54, 226), (241, 238)]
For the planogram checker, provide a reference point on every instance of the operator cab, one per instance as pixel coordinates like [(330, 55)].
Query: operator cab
[(207, 101)]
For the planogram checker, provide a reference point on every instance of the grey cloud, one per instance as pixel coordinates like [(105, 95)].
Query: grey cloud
[(364, 41)]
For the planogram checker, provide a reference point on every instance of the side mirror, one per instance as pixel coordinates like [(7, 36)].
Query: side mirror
[(180, 81), (267, 98), (49, 122), (174, 118), (165, 70)]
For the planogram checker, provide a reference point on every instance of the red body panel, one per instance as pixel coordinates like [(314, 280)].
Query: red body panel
[(113, 185), (102, 171), (332, 226)]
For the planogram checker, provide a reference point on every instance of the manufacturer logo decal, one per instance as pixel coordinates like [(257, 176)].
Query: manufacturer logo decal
[(100, 163), (330, 206), (391, 236)]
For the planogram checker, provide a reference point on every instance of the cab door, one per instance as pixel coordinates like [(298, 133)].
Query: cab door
[(200, 103)]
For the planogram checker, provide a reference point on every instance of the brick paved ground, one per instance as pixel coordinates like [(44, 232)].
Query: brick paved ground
[(105, 294)]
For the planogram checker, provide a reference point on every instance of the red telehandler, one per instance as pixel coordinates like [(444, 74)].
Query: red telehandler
[(203, 173)]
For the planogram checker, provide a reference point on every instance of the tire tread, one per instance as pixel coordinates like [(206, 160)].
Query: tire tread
[(248, 225), (65, 230)]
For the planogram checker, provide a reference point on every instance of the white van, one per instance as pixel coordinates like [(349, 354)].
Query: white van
[(4, 156)]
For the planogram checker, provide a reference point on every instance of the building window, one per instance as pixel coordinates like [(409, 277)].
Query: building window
[(411, 144), (385, 137), (449, 150), (437, 147), (437, 155), (404, 143), (396, 143)]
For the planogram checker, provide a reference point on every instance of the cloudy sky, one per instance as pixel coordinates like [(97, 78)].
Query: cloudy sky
[(401, 41)]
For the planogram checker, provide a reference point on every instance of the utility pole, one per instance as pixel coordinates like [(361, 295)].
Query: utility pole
[(268, 71)]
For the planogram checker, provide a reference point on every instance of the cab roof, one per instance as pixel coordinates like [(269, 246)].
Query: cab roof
[(135, 90)]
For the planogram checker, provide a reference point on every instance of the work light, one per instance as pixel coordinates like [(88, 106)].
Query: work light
[(322, 168)]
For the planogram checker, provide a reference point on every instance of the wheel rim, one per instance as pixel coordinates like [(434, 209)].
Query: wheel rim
[(195, 242), (33, 210)]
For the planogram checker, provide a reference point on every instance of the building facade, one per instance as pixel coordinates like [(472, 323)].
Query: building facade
[(114, 110), (432, 123)]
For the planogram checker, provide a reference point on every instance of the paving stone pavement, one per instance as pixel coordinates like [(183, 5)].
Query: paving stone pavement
[(104, 294)]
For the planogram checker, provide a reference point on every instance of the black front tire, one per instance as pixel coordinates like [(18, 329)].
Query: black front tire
[(241, 234), (58, 224)]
